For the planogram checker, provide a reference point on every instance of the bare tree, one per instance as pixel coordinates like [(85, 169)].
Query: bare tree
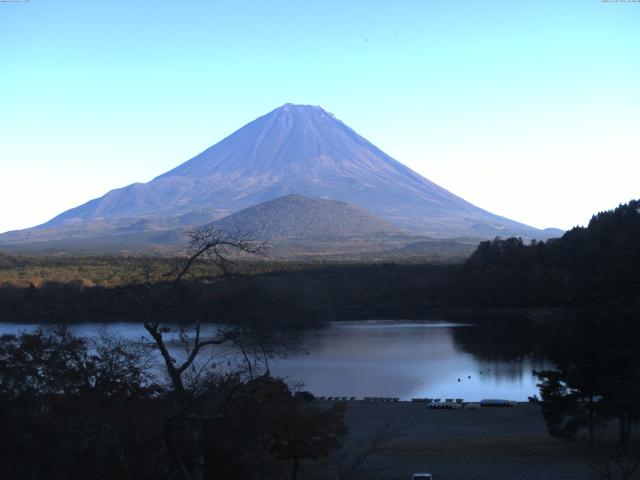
[(615, 461), (357, 450), (200, 392)]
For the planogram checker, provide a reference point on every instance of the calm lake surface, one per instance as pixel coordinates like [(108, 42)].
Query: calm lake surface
[(385, 359)]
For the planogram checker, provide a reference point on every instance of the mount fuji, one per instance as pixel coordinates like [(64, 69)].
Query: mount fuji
[(294, 149)]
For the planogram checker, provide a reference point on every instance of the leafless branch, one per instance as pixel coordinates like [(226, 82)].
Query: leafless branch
[(613, 461), (209, 243), (357, 450)]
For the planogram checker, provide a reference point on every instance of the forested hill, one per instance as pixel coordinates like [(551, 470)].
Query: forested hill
[(593, 265), (297, 216)]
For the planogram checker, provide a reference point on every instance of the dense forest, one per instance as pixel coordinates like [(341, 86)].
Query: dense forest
[(588, 265), (591, 265)]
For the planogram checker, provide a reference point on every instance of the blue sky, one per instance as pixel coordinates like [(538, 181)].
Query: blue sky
[(529, 109)]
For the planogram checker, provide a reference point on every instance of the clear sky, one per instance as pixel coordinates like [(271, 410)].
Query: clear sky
[(529, 109)]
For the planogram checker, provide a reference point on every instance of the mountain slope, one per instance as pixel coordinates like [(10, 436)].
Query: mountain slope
[(293, 149), (299, 217)]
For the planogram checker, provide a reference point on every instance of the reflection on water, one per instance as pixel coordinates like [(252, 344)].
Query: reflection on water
[(386, 359), (406, 360)]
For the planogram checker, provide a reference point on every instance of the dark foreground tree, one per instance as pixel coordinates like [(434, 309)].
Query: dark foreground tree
[(199, 393), (70, 408), (597, 376), (290, 428), (203, 384)]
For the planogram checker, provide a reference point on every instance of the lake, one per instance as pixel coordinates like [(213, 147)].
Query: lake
[(404, 359)]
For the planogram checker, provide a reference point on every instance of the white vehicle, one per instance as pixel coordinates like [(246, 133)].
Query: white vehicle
[(421, 476)]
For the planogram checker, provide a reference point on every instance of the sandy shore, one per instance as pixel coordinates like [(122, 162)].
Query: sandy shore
[(483, 444)]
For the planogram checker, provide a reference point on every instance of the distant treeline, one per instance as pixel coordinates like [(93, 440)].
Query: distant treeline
[(314, 294), (595, 265), (107, 270)]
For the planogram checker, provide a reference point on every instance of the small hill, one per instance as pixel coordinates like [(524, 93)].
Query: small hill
[(299, 217)]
